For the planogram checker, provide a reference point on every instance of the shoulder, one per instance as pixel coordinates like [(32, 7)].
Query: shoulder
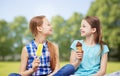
[(75, 42), (27, 49), (24, 51), (105, 49), (30, 45), (24, 48), (73, 45)]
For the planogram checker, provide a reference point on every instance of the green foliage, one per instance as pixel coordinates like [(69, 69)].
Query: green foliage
[(4, 39), (65, 31), (12, 36), (9, 67), (108, 12), (18, 29)]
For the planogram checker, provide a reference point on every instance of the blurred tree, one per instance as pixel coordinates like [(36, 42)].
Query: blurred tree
[(4, 39), (71, 32), (108, 11), (65, 31), (19, 28), (73, 26), (58, 24)]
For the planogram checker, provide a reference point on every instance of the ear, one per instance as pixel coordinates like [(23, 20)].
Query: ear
[(93, 30), (39, 28)]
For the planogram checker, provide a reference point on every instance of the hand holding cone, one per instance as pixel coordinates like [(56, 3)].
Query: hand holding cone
[(79, 48), (39, 50)]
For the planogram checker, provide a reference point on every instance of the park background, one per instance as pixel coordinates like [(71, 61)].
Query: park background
[(65, 17)]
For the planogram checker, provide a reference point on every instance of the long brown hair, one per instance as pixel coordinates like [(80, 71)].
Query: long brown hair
[(35, 21), (52, 49), (95, 23), (38, 21)]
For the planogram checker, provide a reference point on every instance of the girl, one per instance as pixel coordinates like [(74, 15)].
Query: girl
[(48, 63), (95, 52)]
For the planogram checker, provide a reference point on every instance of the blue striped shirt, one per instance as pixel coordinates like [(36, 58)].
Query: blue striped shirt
[(44, 66)]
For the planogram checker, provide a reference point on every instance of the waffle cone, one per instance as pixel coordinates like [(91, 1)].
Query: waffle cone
[(79, 48)]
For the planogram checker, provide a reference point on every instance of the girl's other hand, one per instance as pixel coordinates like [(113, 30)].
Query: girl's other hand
[(35, 64)]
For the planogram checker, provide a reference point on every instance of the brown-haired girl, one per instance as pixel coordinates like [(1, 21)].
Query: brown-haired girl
[(48, 63), (95, 52)]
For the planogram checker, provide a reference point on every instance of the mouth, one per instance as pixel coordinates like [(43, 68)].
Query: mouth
[(51, 30), (82, 31)]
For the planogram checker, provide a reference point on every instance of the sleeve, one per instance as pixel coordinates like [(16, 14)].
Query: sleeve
[(105, 49), (73, 45)]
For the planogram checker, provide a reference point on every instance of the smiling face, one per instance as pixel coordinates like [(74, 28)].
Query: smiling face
[(86, 29)]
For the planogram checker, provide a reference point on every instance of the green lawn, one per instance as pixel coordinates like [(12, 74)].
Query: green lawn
[(9, 67)]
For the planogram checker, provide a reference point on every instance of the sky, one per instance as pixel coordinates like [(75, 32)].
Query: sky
[(9, 9)]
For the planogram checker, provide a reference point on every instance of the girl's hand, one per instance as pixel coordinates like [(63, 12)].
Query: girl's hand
[(79, 55), (35, 64)]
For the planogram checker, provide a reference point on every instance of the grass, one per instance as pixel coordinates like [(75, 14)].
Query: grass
[(10, 67), (113, 67)]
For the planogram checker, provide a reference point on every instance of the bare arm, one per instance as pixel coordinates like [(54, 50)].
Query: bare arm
[(57, 67), (23, 64), (75, 58), (103, 65)]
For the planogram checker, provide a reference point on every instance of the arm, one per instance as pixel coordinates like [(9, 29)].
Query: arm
[(103, 65), (23, 64), (57, 62), (75, 58)]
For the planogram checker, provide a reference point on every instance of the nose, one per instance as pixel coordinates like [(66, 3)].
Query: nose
[(51, 27), (80, 28)]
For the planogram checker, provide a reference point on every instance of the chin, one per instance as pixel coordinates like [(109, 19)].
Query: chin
[(49, 34), (82, 35)]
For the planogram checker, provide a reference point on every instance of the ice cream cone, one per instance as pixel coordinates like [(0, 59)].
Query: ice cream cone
[(79, 46)]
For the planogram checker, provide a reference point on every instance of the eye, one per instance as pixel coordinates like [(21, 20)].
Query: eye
[(83, 25), (49, 24)]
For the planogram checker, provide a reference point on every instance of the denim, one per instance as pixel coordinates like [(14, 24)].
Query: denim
[(14, 74), (66, 70)]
